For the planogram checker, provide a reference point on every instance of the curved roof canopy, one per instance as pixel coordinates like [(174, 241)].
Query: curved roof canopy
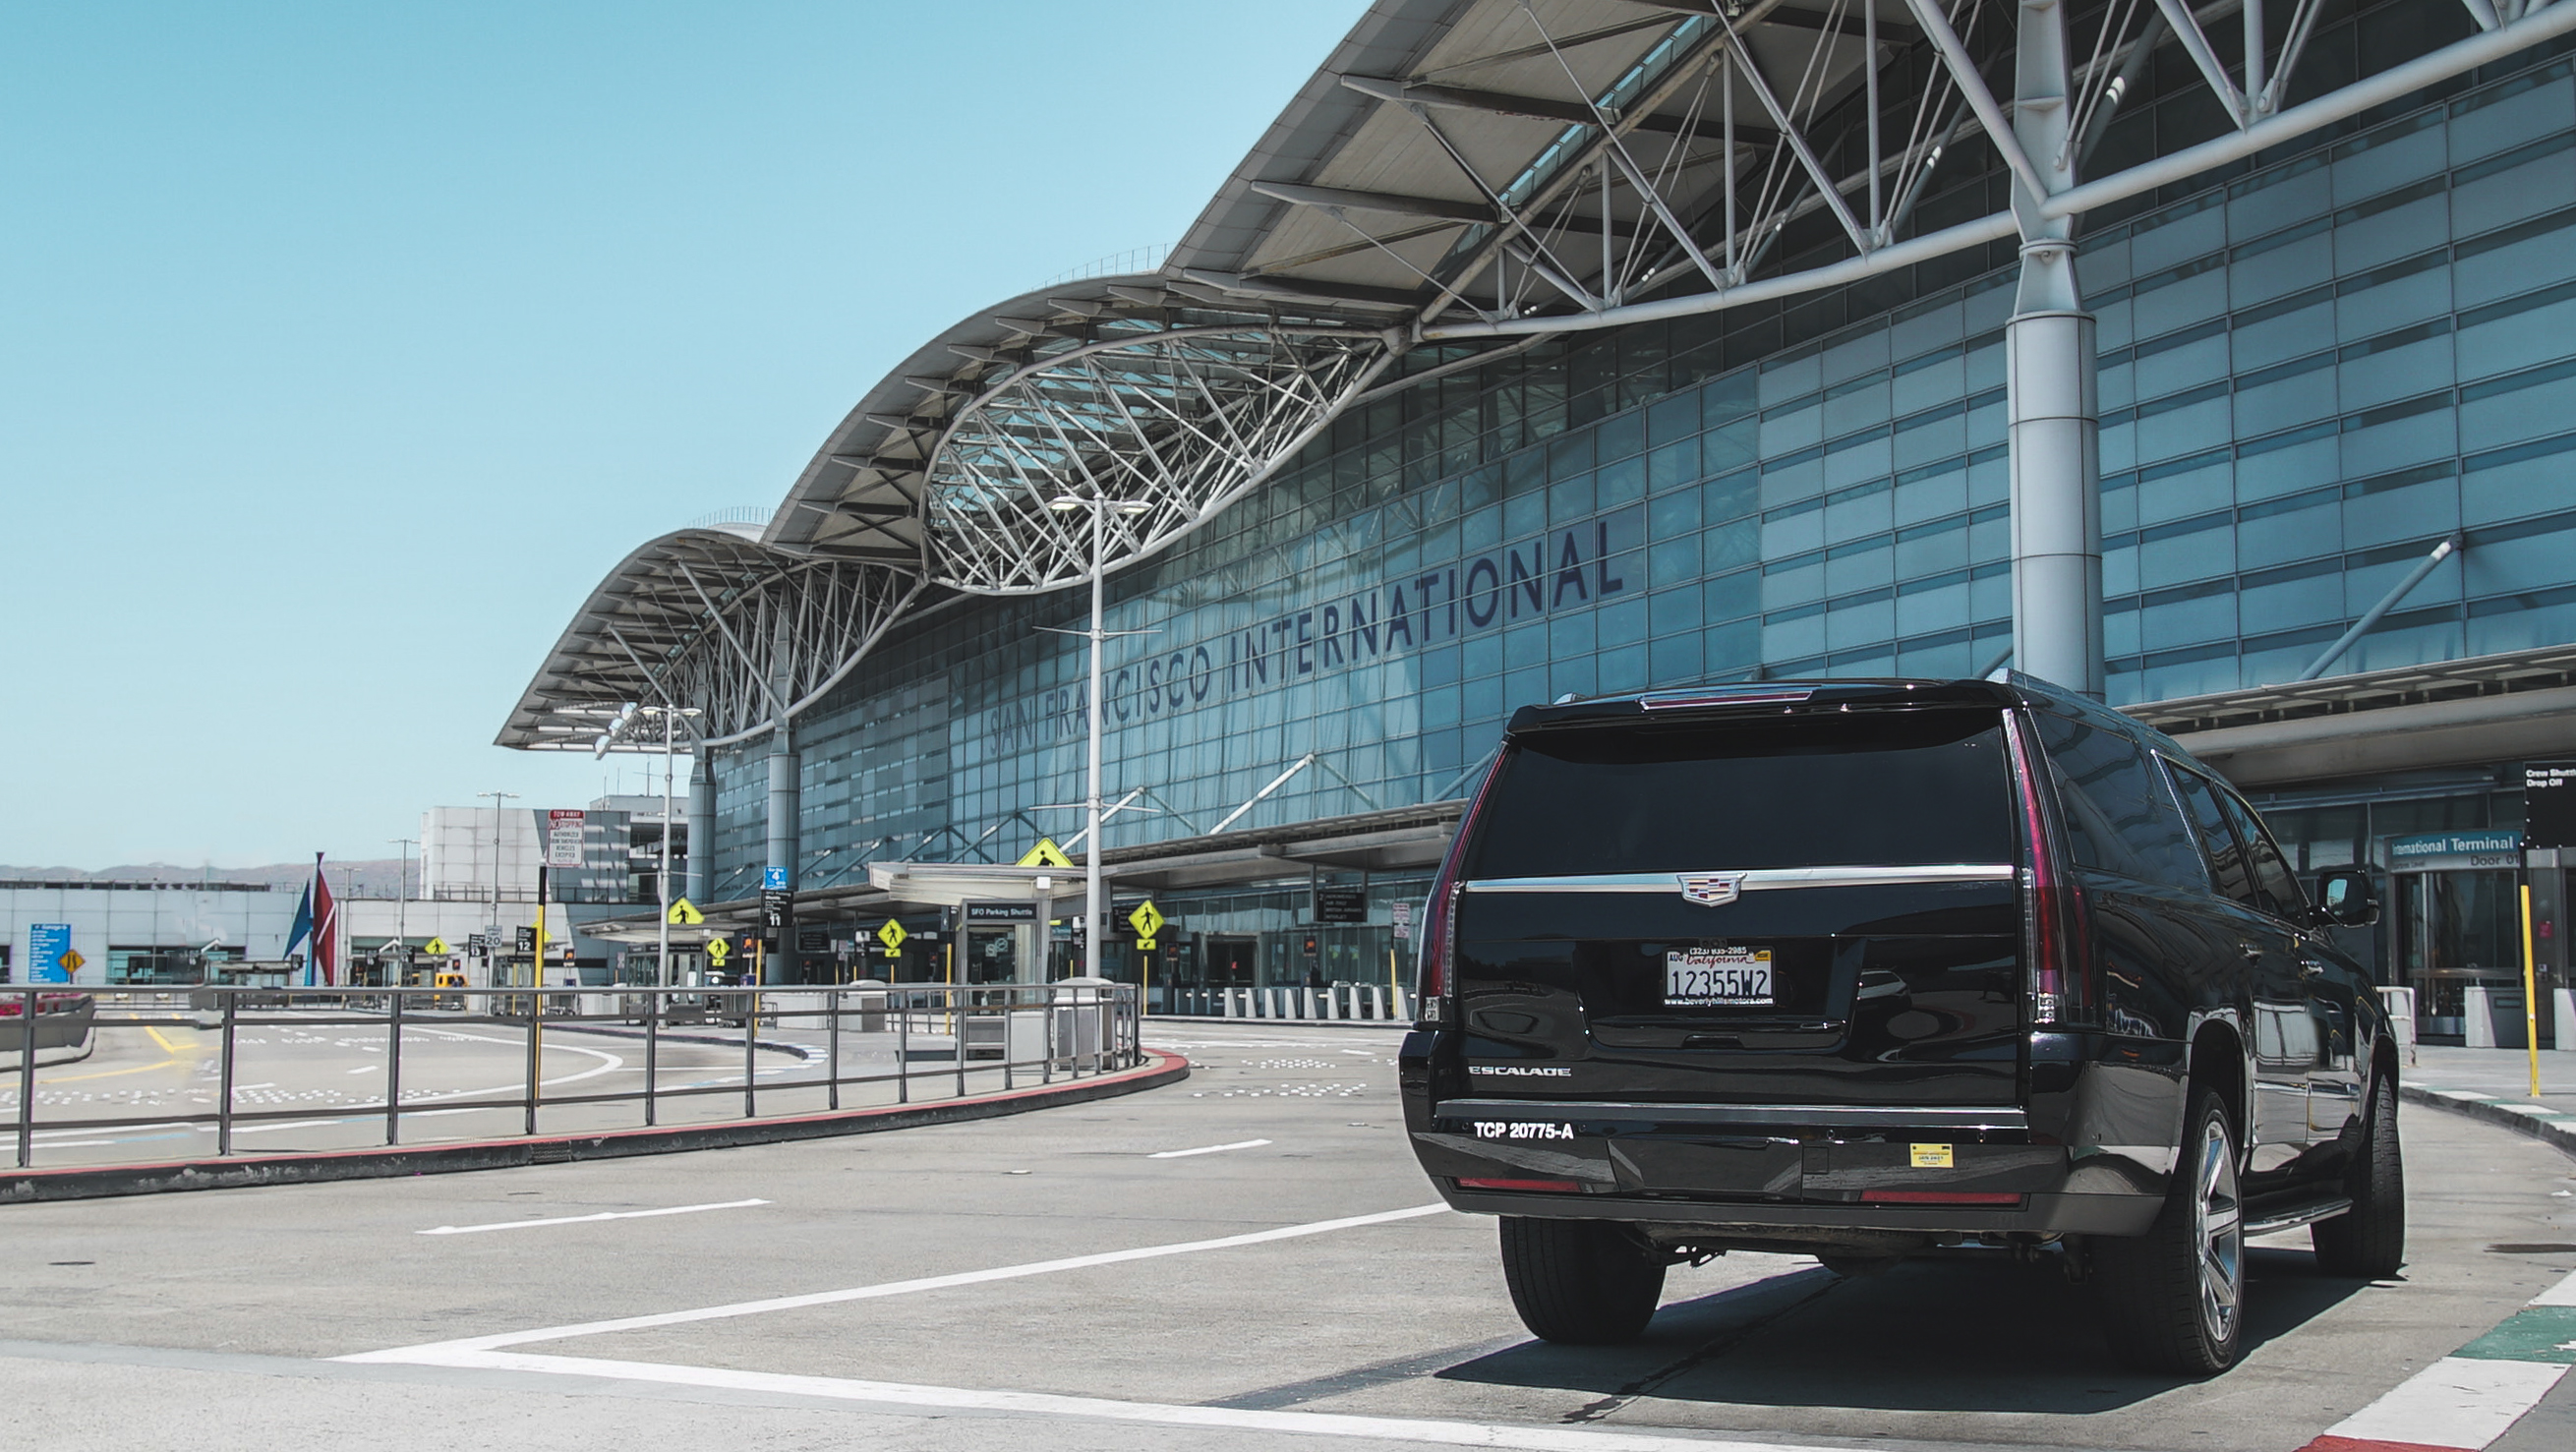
[(1457, 170)]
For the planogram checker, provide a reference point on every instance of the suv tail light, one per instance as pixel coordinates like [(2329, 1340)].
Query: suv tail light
[(1431, 979), (2056, 937)]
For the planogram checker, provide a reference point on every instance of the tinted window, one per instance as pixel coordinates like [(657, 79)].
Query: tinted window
[(1899, 788), (2276, 891), (2217, 840), (2119, 817)]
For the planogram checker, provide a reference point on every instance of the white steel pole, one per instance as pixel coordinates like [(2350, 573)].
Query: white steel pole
[(662, 874), (1093, 909)]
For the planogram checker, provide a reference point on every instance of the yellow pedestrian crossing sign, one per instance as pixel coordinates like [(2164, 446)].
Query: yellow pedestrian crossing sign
[(718, 950), (685, 913), (892, 935), (1147, 920), (437, 948), (1045, 854)]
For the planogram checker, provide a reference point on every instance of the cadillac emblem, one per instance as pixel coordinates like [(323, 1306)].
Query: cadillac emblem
[(1711, 889)]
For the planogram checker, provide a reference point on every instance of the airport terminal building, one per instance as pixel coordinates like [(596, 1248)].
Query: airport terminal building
[(1591, 346)]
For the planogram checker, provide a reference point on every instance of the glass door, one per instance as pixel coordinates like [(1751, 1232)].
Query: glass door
[(2455, 929)]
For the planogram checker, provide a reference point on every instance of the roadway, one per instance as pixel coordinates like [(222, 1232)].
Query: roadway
[(1247, 1259)]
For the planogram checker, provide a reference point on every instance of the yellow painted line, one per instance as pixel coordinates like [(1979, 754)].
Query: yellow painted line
[(166, 1046)]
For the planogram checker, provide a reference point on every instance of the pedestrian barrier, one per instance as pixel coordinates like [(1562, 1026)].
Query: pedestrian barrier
[(1373, 1002), (936, 1040)]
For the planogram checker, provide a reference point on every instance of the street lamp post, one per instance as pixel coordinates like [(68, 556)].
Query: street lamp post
[(402, 900), (498, 798), (619, 726), (1094, 908)]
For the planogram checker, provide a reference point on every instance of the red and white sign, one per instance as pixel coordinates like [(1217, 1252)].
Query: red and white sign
[(563, 838)]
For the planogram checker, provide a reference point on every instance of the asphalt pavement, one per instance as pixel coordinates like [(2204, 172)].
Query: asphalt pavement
[(1245, 1260)]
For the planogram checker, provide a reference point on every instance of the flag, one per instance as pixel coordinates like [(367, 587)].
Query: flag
[(303, 925), (326, 927)]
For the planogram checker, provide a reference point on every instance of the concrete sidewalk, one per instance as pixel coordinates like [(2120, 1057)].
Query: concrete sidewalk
[(2495, 1085)]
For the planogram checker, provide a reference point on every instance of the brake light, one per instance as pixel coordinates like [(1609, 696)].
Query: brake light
[(2054, 930), (1440, 927), (1552, 1187)]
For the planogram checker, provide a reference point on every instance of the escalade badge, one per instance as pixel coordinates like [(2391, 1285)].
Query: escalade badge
[(1711, 889)]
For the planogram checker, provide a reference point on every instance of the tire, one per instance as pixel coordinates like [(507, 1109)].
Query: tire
[(2173, 1298), (2369, 1240), (1579, 1282)]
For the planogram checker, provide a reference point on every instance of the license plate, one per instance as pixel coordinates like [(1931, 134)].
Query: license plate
[(1717, 977)]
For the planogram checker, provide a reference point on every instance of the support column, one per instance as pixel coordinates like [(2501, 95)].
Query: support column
[(781, 857), (702, 825), (2052, 412)]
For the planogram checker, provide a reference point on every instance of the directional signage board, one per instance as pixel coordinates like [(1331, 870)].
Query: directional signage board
[(1001, 912), (1341, 904), (2549, 803), (1401, 910), (48, 944), (563, 838), (773, 879), (813, 940), (776, 905)]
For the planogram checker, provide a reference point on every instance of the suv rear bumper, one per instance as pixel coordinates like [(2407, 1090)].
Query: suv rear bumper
[(1782, 1174)]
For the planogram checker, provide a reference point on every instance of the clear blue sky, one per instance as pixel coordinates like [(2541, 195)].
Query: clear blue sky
[(343, 348)]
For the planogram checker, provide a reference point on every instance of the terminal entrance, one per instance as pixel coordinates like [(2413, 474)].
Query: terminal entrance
[(2462, 929)]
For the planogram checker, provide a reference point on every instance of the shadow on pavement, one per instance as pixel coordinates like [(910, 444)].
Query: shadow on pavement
[(1967, 1332)]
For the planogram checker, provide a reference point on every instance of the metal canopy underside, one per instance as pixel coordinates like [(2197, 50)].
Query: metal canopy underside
[(1457, 170)]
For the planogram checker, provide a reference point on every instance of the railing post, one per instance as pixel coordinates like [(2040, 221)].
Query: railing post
[(393, 1068), (224, 1106), (1046, 1042), (1010, 1011), (27, 1079), (903, 1052), (957, 1016), (653, 1005), (750, 1055), (536, 1049)]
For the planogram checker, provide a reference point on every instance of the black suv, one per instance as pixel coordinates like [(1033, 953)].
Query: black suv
[(1862, 969)]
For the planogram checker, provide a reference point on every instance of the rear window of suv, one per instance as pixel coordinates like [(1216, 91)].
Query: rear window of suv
[(1885, 788)]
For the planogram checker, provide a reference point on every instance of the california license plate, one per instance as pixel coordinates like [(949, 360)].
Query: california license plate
[(1717, 977)]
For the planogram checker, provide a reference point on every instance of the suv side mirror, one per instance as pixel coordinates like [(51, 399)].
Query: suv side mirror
[(2345, 896)]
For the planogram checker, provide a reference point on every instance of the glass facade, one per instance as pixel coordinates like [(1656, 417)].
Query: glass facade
[(2313, 368)]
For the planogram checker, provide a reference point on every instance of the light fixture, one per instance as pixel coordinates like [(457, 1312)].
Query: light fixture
[(1064, 503), (1134, 506)]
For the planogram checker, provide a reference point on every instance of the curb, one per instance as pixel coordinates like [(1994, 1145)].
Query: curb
[(2522, 1116), (2473, 1396), (805, 1052), (32, 1186)]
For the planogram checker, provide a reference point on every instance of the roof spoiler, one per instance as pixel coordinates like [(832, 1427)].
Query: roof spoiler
[(1767, 698)]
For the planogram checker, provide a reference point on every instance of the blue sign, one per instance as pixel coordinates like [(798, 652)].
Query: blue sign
[(773, 879), (46, 945)]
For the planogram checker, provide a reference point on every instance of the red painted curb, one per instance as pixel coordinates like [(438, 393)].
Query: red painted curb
[(1161, 1067)]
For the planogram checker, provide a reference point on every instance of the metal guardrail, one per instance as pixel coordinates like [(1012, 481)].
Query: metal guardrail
[(1045, 1031)]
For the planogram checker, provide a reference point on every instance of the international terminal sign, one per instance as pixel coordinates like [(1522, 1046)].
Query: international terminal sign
[(1405, 611)]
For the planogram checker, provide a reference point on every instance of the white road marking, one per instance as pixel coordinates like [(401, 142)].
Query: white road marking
[(2458, 1401), (1207, 1149), (443, 1353), (1043, 1404), (2561, 1294), (586, 1219)]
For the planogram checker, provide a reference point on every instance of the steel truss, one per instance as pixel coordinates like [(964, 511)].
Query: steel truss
[(1175, 423), (747, 634), (1678, 174)]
